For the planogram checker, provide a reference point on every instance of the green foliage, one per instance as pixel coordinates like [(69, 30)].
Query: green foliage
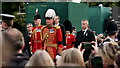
[(13, 8)]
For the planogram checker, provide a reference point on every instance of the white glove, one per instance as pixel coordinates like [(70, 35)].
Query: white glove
[(58, 57)]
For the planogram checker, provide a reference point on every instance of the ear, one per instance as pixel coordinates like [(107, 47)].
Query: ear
[(4, 24), (39, 20)]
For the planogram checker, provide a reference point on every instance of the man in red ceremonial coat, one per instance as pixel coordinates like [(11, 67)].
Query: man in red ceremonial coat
[(36, 42), (70, 38), (52, 35)]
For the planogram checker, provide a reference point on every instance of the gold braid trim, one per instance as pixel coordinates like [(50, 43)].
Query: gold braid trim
[(33, 33), (42, 33), (57, 27)]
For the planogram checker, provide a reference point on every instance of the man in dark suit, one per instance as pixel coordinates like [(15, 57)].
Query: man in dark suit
[(85, 35), (57, 19), (27, 36)]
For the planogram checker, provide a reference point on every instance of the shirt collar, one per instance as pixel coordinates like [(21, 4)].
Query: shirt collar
[(57, 24), (112, 40), (85, 29)]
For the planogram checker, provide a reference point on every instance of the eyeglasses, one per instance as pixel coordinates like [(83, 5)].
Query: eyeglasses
[(48, 18)]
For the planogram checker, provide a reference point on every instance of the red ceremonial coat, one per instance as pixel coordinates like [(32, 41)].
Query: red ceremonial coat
[(52, 38), (36, 41), (70, 40)]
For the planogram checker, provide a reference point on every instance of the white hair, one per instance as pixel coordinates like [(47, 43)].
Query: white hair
[(86, 21)]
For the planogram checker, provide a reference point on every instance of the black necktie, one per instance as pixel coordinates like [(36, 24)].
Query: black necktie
[(29, 34), (83, 32)]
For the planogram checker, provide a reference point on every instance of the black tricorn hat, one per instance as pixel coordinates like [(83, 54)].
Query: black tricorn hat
[(68, 26), (7, 17), (111, 28), (37, 17)]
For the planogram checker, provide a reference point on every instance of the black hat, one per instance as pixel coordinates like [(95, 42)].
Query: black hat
[(68, 26), (74, 28), (7, 17), (37, 17), (111, 28)]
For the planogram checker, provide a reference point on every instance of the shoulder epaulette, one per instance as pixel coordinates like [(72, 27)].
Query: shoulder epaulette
[(34, 31), (43, 27), (57, 27)]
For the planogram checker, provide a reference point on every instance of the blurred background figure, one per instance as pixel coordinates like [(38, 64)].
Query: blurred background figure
[(40, 58), (70, 38), (108, 52), (12, 50), (112, 32), (117, 60), (100, 39), (0, 25), (7, 21), (94, 32), (74, 31), (71, 57), (1, 38), (27, 36), (56, 23)]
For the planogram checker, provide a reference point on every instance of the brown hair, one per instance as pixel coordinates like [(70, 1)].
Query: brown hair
[(8, 22)]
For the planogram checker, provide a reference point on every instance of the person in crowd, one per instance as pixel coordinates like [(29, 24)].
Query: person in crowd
[(108, 52), (56, 23), (100, 39), (36, 42), (71, 57), (117, 60), (1, 38), (13, 48), (74, 31), (40, 58), (27, 36), (85, 35), (7, 21), (94, 32), (52, 35), (0, 25), (70, 39), (111, 31)]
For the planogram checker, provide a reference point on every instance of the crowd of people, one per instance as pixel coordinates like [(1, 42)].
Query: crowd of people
[(58, 45)]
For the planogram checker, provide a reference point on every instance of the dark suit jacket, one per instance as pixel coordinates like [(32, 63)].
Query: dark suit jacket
[(26, 49), (87, 37), (63, 34)]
